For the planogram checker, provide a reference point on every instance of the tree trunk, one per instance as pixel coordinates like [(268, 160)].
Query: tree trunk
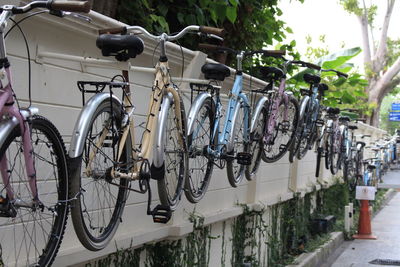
[(105, 7)]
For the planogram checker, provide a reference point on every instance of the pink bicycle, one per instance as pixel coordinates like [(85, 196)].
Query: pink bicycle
[(33, 165)]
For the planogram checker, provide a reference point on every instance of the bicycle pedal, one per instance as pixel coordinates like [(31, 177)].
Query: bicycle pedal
[(243, 158), (161, 214)]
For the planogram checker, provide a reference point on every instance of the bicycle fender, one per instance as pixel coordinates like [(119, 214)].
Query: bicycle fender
[(6, 127), (195, 108), (303, 105), (260, 104), (158, 158), (230, 141), (83, 124)]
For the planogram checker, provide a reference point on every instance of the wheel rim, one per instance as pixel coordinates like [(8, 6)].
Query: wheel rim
[(200, 166), (34, 235), (100, 200)]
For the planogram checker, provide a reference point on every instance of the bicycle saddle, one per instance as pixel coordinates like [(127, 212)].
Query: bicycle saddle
[(123, 47), (271, 73), (333, 111), (352, 127), (323, 87), (344, 118), (215, 71), (360, 143), (311, 78)]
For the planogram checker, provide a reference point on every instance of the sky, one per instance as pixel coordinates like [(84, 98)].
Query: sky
[(317, 17)]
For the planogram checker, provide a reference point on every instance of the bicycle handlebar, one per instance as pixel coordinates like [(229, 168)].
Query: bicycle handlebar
[(339, 73), (193, 28), (306, 64), (72, 6), (217, 48)]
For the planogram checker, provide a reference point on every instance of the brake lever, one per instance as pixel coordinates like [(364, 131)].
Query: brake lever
[(61, 14), (78, 16), (210, 35)]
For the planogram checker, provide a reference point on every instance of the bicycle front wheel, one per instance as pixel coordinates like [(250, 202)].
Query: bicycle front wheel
[(100, 199), (235, 170), (176, 158), (200, 164), (256, 144), (282, 135), (32, 231)]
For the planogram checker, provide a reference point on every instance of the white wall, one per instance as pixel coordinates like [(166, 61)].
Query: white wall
[(56, 94)]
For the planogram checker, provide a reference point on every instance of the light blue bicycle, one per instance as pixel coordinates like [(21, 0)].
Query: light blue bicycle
[(208, 145)]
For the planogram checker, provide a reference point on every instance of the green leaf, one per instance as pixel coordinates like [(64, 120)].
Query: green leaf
[(231, 14), (348, 98), (181, 18), (337, 59), (234, 2), (289, 30)]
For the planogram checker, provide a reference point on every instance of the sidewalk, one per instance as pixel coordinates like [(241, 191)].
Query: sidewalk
[(386, 226)]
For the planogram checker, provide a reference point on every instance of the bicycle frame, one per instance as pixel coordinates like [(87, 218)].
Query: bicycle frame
[(161, 96), (225, 139), (11, 116), (273, 111)]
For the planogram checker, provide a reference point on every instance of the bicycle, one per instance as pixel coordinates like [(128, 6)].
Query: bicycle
[(102, 153), (310, 112), (233, 141), (278, 115), (34, 210)]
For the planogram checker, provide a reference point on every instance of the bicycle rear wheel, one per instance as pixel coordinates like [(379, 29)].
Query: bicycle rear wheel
[(334, 155), (200, 164), (235, 170), (176, 158), (283, 133), (256, 144), (97, 210), (32, 231)]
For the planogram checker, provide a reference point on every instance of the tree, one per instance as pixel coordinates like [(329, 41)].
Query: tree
[(105, 7), (249, 25), (382, 73)]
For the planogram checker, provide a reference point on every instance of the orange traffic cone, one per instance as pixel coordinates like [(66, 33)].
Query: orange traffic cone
[(364, 223)]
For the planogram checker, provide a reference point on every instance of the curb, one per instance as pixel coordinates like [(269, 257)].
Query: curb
[(319, 255)]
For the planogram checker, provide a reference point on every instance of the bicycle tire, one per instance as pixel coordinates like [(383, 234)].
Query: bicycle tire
[(256, 144), (306, 142), (236, 171), (334, 154), (95, 234), (52, 212), (318, 163), (172, 197), (195, 189), (284, 133)]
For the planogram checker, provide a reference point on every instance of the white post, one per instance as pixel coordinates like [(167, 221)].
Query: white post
[(347, 218), (351, 214)]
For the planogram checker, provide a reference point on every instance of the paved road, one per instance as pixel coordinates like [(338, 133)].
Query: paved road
[(391, 179), (386, 226)]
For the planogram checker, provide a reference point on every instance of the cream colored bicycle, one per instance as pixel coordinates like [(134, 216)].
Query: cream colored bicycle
[(103, 158)]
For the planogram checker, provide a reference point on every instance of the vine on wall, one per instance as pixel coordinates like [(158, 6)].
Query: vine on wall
[(272, 236)]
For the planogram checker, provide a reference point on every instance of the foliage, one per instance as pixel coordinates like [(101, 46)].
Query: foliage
[(249, 25), (342, 93)]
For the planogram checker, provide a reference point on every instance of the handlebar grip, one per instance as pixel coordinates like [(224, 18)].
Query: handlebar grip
[(275, 53), (115, 30), (72, 6), (211, 30), (210, 47)]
